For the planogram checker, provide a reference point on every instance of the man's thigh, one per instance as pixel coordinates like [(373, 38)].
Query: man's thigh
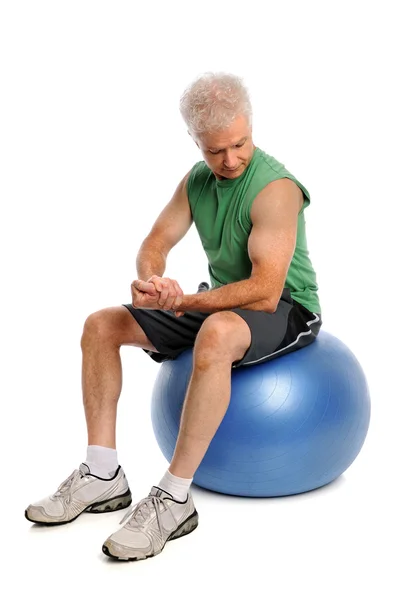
[(169, 334), (289, 328)]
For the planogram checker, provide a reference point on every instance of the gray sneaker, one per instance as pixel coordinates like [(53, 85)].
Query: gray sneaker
[(81, 492), (150, 524)]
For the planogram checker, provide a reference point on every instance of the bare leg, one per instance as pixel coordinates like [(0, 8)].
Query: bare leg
[(104, 333), (223, 339)]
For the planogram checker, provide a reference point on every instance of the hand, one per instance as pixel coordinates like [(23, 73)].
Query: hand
[(146, 296), (171, 294)]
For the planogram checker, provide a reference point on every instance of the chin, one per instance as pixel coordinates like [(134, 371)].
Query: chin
[(234, 173)]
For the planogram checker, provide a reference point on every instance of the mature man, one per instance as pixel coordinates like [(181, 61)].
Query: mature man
[(249, 213)]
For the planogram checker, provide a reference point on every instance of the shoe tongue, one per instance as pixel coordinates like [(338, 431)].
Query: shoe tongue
[(84, 469), (156, 491)]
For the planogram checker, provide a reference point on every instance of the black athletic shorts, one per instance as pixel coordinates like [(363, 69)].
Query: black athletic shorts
[(290, 327)]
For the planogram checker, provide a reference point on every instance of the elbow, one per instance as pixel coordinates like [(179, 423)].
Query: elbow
[(272, 302), (271, 306), (265, 297), (262, 305)]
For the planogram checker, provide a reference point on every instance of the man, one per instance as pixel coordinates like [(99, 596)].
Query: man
[(248, 210)]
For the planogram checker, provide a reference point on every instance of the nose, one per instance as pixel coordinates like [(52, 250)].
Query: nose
[(230, 161)]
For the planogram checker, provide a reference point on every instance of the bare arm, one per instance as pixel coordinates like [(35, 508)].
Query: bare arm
[(271, 245), (170, 227)]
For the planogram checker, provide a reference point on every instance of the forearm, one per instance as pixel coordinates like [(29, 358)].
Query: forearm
[(249, 294), (150, 261)]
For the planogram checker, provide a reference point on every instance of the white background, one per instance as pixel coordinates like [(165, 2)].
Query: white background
[(92, 147)]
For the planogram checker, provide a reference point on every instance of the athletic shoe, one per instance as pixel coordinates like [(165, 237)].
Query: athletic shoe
[(81, 492), (150, 524)]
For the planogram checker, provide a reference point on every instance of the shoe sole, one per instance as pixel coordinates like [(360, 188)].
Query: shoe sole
[(110, 505), (184, 529)]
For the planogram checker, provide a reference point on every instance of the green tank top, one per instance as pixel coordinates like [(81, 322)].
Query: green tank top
[(221, 214)]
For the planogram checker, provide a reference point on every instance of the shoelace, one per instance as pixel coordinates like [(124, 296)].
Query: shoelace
[(64, 488), (142, 510)]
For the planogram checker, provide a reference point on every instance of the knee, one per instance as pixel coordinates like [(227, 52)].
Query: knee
[(219, 339), (97, 328)]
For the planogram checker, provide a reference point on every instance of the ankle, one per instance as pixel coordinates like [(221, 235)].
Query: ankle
[(178, 487), (102, 461)]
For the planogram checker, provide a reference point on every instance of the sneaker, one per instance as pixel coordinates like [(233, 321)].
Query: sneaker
[(81, 492), (151, 523)]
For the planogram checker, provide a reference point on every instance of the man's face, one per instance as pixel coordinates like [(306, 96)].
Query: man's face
[(227, 153)]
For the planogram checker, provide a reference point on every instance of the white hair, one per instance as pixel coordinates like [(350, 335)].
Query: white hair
[(213, 101)]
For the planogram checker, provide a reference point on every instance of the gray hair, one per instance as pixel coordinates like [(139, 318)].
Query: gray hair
[(213, 101)]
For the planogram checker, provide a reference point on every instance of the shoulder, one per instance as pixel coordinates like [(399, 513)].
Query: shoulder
[(278, 171), (199, 170), (270, 164), (198, 181), (282, 195)]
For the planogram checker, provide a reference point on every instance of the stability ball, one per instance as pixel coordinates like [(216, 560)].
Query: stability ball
[(293, 424)]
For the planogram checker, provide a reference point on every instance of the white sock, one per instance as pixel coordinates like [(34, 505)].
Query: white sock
[(102, 461), (178, 487)]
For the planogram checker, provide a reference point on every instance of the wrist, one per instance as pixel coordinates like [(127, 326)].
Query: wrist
[(197, 302), (188, 301)]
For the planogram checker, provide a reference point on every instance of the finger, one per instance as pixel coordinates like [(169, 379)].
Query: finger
[(156, 280), (144, 286), (164, 294), (154, 292), (158, 284), (169, 292), (178, 289), (177, 303), (169, 302), (136, 297), (178, 296)]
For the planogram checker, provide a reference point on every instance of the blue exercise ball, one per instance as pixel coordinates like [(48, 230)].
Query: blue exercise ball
[(293, 424)]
